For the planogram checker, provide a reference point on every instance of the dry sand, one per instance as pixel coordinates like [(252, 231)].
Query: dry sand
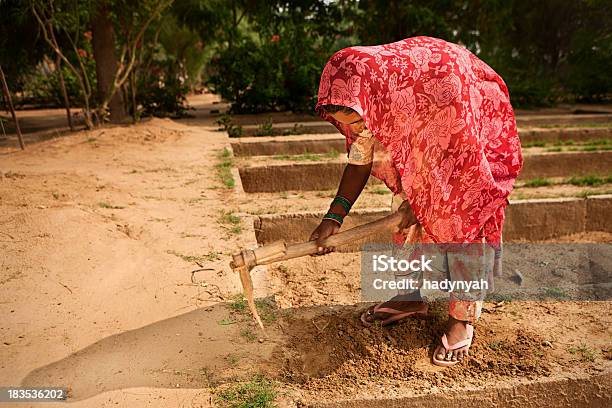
[(99, 234), (101, 231)]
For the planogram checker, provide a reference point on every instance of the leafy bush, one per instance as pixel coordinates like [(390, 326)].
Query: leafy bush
[(162, 88), (173, 67), (277, 61), (265, 78), (266, 128), (164, 97), (225, 123), (250, 76), (42, 86)]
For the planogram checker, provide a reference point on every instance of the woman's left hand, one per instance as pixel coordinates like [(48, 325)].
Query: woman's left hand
[(408, 217)]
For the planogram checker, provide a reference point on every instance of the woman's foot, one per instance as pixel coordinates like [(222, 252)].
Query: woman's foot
[(456, 343), (393, 311)]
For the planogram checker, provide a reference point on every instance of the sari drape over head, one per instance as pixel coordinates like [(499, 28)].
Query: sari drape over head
[(444, 118)]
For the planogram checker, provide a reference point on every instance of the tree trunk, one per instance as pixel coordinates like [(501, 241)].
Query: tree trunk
[(103, 42), (58, 66), (133, 95), (9, 102)]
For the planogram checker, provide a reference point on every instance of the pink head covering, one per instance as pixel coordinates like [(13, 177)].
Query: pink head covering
[(445, 121)]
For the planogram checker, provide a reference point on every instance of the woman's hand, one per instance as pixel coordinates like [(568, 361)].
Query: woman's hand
[(408, 218), (326, 229)]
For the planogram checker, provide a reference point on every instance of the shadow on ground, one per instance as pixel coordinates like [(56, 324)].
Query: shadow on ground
[(198, 349)]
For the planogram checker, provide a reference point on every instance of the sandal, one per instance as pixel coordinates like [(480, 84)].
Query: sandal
[(460, 344), (395, 315)]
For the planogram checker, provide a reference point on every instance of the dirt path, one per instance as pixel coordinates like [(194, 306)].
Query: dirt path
[(100, 233)]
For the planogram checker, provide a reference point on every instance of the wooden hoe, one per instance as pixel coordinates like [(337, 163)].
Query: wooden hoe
[(278, 251)]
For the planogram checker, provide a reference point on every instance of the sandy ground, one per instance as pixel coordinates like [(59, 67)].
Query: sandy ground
[(334, 357), (331, 356), (114, 281), (99, 234)]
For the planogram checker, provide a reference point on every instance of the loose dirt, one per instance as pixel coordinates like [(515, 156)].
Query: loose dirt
[(330, 356)]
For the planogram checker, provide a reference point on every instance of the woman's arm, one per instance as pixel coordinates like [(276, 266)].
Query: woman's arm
[(352, 183)]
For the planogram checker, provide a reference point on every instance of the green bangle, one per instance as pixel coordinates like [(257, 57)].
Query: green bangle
[(344, 202), (334, 217)]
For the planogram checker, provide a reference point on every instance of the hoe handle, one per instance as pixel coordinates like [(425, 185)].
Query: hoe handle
[(339, 239), (278, 251)]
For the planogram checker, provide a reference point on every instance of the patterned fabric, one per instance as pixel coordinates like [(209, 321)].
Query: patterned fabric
[(445, 121), (362, 149), (465, 311), (457, 264)]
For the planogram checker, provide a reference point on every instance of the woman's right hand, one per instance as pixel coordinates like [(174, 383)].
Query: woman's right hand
[(326, 229)]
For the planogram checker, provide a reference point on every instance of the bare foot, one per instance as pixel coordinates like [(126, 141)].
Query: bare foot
[(456, 331)]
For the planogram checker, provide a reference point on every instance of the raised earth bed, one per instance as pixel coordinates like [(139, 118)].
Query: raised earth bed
[(325, 175)]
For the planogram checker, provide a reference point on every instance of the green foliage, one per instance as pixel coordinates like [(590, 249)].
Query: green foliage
[(297, 129), (589, 62), (265, 307), (166, 59), (110, 206), (586, 353), (226, 322), (592, 181), (31, 68), (382, 21), (170, 67), (555, 293), (537, 182), (265, 129), (42, 85), (547, 51), (250, 76), (248, 335), (18, 57), (229, 218), (332, 154), (209, 257), (238, 303), (537, 143), (213, 20), (268, 56), (224, 169), (225, 123), (165, 96), (276, 62), (381, 191), (496, 345)]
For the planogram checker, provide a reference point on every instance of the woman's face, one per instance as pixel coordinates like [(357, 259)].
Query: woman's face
[(355, 122)]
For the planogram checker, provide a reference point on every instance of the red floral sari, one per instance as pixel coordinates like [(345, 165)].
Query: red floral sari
[(448, 130)]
